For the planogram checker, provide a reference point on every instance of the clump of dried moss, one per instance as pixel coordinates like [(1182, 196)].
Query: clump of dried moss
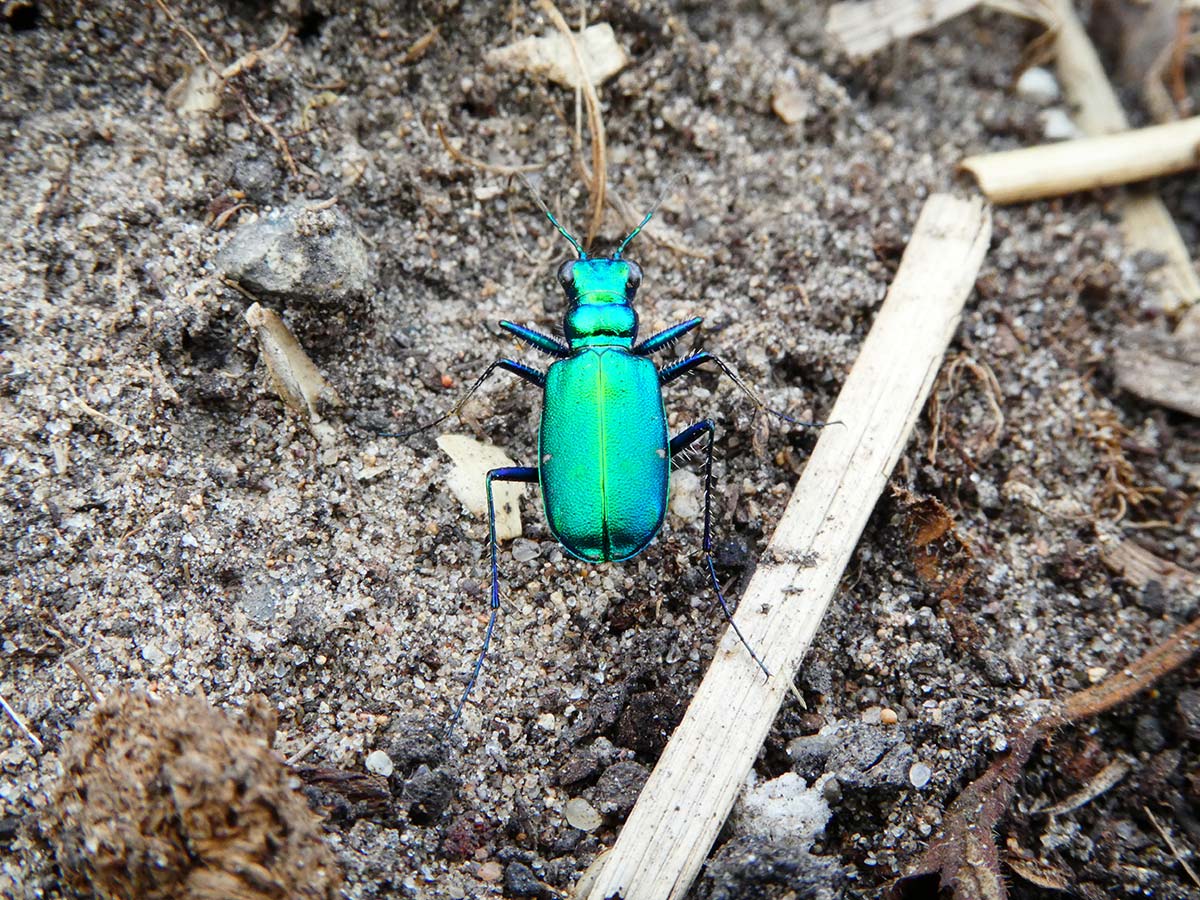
[(173, 799)]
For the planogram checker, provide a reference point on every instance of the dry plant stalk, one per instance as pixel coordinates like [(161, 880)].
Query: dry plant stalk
[(1051, 170), (689, 794), (964, 857), (1145, 221), (598, 183), (864, 28), (461, 157)]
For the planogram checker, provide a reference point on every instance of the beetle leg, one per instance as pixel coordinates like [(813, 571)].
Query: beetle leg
[(522, 475), (533, 376), (665, 338), (537, 340), (679, 443), (675, 370)]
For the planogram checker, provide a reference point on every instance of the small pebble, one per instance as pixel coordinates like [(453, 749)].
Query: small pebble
[(1039, 85), (790, 104), (1096, 674), (490, 871), (523, 549), (888, 717), (379, 763), (582, 815), (152, 654), (1057, 124), (919, 775)]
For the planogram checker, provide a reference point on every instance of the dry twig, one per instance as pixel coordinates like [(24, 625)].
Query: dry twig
[(237, 67), (598, 183), (461, 157), (1051, 170), (20, 723)]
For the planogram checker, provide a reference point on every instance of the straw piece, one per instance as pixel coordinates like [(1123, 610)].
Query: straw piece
[(1050, 170), (692, 789), (1146, 223), (863, 28)]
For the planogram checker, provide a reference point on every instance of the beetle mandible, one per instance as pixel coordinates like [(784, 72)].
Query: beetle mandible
[(604, 453)]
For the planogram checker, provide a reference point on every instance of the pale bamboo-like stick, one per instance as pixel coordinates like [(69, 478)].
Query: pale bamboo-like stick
[(862, 28), (1145, 221), (689, 794), (1051, 170)]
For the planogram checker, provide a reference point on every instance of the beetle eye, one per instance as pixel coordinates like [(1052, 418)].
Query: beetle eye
[(635, 275), (566, 276)]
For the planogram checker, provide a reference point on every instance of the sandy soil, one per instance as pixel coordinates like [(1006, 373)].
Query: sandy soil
[(171, 526)]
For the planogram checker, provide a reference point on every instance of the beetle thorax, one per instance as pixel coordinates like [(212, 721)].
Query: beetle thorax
[(600, 292), (589, 323)]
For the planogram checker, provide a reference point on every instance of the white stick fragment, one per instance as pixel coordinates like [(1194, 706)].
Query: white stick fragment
[(1145, 221), (862, 28), (693, 787), (1051, 170)]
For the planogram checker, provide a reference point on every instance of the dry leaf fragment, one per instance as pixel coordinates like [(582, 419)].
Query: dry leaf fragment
[(551, 56), (468, 480)]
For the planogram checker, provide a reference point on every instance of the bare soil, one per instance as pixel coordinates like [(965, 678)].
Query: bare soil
[(170, 526)]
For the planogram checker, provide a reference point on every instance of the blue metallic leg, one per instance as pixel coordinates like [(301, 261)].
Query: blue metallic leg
[(669, 373), (666, 338), (523, 475), (537, 340), (533, 376), (679, 443)]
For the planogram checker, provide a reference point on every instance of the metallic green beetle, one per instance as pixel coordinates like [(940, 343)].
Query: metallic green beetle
[(604, 454)]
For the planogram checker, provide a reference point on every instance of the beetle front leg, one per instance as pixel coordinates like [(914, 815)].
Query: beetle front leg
[(669, 373), (521, 475), (666, 338), (533, 376), (679, 443)]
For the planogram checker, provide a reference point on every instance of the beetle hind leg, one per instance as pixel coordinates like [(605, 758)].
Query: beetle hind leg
[(521, 475), (679, 444)]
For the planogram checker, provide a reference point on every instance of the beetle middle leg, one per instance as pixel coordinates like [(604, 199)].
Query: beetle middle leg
[(667, 374), (679, 443), (521, 475)]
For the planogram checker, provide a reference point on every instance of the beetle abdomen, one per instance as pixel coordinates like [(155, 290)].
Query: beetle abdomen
[(603, 458)]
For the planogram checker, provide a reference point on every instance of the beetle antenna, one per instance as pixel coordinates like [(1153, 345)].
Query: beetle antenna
[(657, 203), (537, 198)]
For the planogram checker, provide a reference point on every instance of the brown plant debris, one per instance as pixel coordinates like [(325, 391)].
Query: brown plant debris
[(173, 799), (943, 559), (964, 858)]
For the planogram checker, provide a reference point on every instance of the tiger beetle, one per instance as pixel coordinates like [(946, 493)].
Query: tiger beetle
[(604, 453)]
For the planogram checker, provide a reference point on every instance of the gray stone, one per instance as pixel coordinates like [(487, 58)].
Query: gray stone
[(519, 881), (619, 786), (753, 866), (860, 755), (1188, 706), (305, 251)]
